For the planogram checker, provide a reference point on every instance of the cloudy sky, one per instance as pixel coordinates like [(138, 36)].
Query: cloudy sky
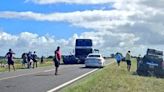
[(113, 25)]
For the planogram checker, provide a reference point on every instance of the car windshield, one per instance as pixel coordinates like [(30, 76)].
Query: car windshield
[(94, 56)]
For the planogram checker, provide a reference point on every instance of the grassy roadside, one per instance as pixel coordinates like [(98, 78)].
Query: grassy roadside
[(114, 79), (18, 65)]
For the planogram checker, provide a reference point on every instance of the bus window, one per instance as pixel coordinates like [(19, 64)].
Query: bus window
[(83, 42), (83, 51)]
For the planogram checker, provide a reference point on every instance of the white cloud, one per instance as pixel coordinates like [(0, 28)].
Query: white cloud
[(25, 42), (44, 45), (71, 1), (86, 19), (132, 24)]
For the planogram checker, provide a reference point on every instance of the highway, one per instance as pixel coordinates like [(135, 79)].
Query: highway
[(42, 79)]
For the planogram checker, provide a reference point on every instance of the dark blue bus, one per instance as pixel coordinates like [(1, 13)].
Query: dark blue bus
[(82, 48)]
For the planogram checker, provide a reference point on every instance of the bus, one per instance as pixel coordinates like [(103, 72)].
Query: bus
[(82, 48)]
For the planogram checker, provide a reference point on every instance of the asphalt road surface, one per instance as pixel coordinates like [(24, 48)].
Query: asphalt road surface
[(40, 79)]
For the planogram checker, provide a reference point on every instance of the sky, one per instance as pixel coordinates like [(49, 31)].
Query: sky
[(113, 25)]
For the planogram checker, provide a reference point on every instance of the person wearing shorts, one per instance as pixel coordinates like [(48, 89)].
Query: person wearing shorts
[(10, 61), (57, 59), (128, 60)]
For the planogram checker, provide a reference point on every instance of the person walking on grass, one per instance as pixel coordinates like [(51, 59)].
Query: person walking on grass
[(118, 57), (10, 61), (57, 59), (128, 60)]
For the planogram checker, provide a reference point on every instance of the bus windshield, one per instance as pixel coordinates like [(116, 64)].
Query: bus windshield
[(83, 42), (83, 51)]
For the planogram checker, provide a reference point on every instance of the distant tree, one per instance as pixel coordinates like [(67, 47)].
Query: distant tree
[(49, 57), (2, 57)]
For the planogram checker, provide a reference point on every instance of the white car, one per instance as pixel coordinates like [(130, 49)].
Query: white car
[(94, 60)]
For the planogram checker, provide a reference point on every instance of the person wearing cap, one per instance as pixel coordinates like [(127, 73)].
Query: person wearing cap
[(10, 60)]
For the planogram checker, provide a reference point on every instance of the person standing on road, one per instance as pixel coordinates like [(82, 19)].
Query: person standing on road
[(29, 59), (24, 59), (34, 58), (128, 60), (57, 59), (118, 58), (10, 61), (42, 60)]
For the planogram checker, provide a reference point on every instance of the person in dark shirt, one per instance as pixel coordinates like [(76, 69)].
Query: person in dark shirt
[(10, 61), (29, 59), (24, 59), (42, 60), (34, 58), (57, 59)]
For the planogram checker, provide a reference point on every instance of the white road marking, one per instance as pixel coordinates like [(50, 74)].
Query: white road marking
[(49, 70), (109, 63), (25, 74), (71, 81)]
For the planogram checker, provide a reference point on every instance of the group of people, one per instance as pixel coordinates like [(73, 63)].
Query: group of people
[(119, 58), (31, 58), (27, 58)]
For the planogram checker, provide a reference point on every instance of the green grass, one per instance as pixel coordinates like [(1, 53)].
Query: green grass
[(116, 79), (18, 64), (2, 69)]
